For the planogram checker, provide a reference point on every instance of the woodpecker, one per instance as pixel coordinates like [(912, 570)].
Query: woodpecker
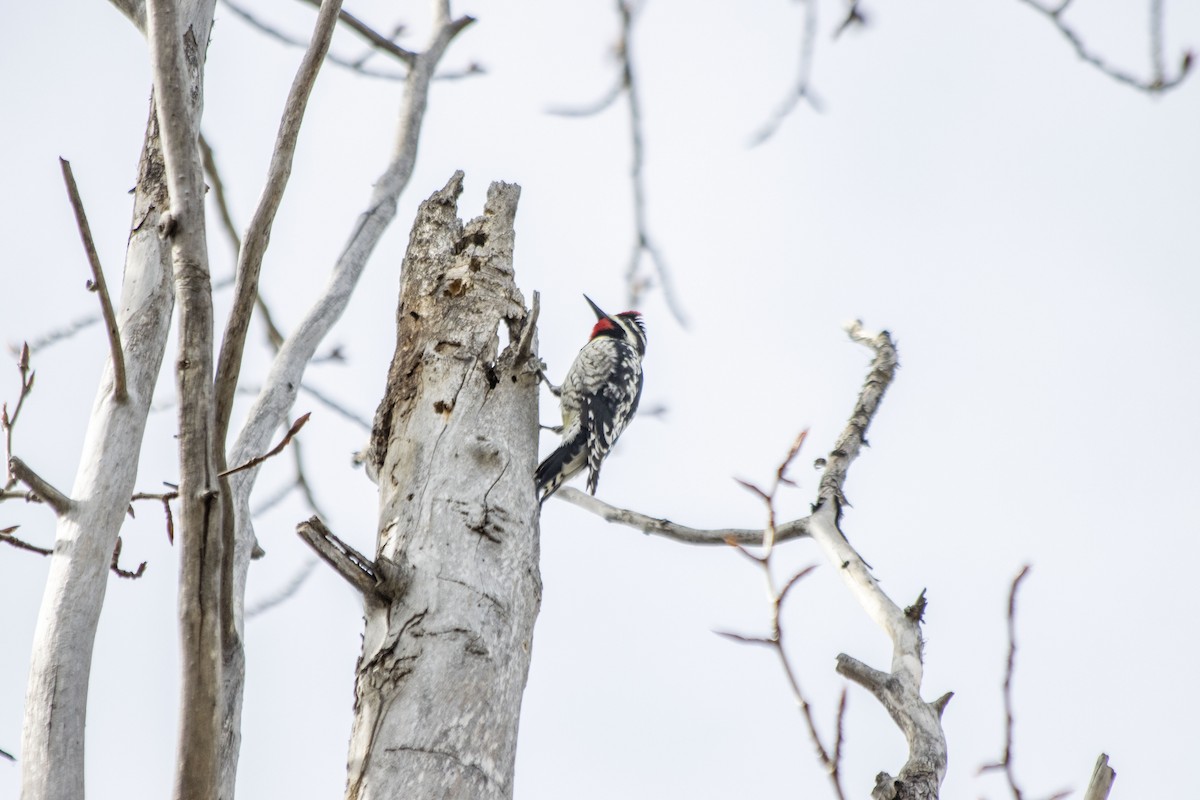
[(599, 396)]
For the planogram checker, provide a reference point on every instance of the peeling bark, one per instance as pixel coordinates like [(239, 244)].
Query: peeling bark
[(446, 657)]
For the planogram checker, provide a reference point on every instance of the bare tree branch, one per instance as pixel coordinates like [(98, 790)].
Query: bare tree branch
[(116, 566), (6, 536), (52, 740), (1102, 780), (643, 243), (268, 29), (358, 570), (1157, 84), (135, 10), (1006, 761), (333, 405), (802, 86), (373, 37), (98, 285), (795, 529), (175, 54), (830, 758), (8, 422), (899, 690), (39, 486), (258, 234), (276, 450), (595, 108), (164, 498)]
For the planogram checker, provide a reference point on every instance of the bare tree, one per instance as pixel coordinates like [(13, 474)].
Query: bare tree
[(452, 590)]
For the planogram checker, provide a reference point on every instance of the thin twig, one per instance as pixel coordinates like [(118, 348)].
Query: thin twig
[(98, 284), (373, 37), (1006, 762), (284, 38), (1157, 84), (116, 567), (65, 332), (258, 233), (335, 406), (164, 498), (28, 497), (39, 485), (276, 450), (302, 480), (643, 243), (830, 759), (9, 421), (802, 86), (273, 500), (592, 109), (6, 536)]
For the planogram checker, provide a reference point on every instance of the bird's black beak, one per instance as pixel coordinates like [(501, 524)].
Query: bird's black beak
[(599, 312)]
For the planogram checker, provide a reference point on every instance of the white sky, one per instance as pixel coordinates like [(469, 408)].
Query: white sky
[(1027, 228)]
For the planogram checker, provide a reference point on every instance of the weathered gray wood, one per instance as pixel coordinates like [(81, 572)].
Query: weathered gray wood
[(52, 739), (444, 665), (177, 49), (899, 690), (1102, 780)]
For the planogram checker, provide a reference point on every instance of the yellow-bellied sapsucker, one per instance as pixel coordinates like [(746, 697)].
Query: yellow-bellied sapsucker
[(599, 396)]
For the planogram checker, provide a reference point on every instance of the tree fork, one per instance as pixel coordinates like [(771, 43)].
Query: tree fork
[(446, 657)]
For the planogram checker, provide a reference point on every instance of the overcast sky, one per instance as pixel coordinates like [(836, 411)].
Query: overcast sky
[(1027, 228)]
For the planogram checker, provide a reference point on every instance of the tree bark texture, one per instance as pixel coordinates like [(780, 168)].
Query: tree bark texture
[(446, 652)]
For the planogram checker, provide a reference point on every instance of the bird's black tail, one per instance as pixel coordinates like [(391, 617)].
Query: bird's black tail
[(568, 459)]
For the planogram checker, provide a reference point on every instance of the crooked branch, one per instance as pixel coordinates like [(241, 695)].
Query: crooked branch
[(276, 450), (1158, 82), (258, 234), (292, 41), (830, 758), (9, 421), (802, 84), (1006, 761), (98, 284), (643, 244), (115, 566), (165, 498)]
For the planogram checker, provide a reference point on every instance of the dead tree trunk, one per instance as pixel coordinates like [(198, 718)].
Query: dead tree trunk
[(449, 618)]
